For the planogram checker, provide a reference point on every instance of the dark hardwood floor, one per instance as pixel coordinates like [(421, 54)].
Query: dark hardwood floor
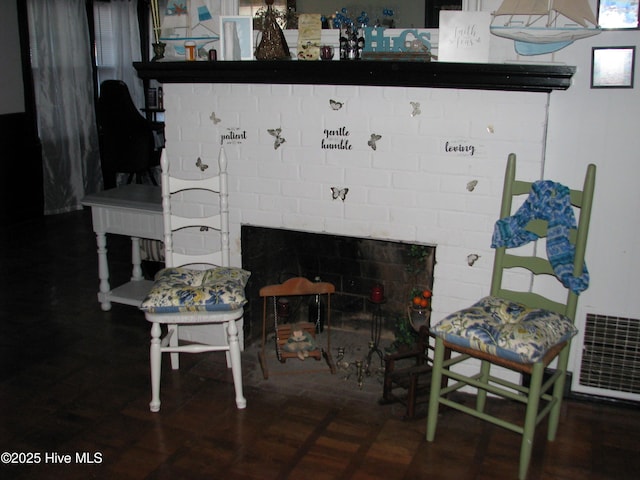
[(75, 381)]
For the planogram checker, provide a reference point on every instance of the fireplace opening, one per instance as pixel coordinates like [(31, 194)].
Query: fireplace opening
[(354, 265)]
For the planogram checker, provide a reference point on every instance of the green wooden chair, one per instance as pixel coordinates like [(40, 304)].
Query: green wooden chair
[(523, 331)]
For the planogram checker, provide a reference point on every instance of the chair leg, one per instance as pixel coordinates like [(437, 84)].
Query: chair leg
[(387, 385), (236, 366), (530, 419), (436, 385), (558, 394), (152, 176), (412, 392), (173, 342), (481, 398), (155, 357)]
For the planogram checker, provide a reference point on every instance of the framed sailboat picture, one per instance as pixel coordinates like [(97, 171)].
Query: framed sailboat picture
[(544, 26), (612, 67), (187, 20), (618, 14)]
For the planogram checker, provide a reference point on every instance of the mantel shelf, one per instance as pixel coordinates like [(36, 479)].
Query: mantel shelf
[(479, 76)]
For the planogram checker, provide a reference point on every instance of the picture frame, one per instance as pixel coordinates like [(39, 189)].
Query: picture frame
[(464, 36), (613, 67), (242, 25), (152, 98), (619, 14)]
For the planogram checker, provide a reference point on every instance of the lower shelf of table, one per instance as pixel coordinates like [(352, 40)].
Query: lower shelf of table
[(131, 293)]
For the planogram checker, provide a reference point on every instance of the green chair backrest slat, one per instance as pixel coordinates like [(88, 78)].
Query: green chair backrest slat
[(536, 265), (533, 300)]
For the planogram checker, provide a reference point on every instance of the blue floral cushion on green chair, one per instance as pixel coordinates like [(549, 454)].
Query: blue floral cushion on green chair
[(506, 329), (180, 289)]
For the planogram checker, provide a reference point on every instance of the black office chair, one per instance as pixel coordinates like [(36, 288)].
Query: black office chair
[(129, 142)]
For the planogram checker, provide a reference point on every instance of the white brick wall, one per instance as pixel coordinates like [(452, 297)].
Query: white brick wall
[(409, 189)]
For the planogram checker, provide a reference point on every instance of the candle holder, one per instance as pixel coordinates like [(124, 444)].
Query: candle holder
[(377, 294), (351, 44), (377, 319), (158, 51)]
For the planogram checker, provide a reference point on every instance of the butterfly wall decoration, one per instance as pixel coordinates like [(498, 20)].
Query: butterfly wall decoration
[(372, 141), (472, 185), (214, 119), (275, 132), (200, 165), (335, 105), (340, 193), (415, 109)]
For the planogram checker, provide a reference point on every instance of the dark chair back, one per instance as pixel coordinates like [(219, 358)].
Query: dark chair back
[(127, 142)]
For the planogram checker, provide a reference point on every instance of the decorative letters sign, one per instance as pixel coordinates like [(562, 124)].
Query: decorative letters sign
[(380, 39)]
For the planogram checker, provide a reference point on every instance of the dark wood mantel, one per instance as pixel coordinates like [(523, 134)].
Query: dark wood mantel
[(480, 76)]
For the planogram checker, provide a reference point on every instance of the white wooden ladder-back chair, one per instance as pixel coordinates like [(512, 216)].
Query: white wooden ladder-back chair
[(197, 287), (517, 327)]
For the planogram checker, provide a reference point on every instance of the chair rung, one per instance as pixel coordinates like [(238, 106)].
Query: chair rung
[(481, 415), (455, 387), (194, 349), (455, 360), (165, 341), (473, 381), (496, 390), (547, 408)]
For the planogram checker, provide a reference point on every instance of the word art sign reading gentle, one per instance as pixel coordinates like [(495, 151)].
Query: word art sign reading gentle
[(336, 139)]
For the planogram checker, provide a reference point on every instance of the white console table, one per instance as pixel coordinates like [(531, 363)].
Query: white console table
[(132, 210)]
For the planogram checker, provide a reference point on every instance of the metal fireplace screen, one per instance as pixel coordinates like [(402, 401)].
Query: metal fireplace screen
[(611, 353)]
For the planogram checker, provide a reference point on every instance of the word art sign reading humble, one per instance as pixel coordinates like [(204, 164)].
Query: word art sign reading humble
[(337, 139)]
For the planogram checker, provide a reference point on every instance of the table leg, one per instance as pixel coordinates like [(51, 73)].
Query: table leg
[(136, 274), (103, 272)]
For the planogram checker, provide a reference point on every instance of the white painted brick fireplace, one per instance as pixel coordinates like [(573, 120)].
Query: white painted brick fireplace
[(413, 187)]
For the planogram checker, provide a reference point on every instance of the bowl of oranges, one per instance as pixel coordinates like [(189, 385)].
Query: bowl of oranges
[(420, 309), (422, 299)]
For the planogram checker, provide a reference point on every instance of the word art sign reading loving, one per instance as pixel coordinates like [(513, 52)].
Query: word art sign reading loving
[(459, 148), (337, 139)]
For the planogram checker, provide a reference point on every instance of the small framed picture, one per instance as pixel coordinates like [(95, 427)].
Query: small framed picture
[(236, 37), (618, 14), (612, 67), (152, 98)]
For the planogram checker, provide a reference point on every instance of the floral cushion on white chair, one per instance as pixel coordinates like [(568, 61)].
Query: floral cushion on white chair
[(186, 290), (506, 329)]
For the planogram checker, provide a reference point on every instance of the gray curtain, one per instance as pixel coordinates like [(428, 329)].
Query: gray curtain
[(122, 16), (61, 62)]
